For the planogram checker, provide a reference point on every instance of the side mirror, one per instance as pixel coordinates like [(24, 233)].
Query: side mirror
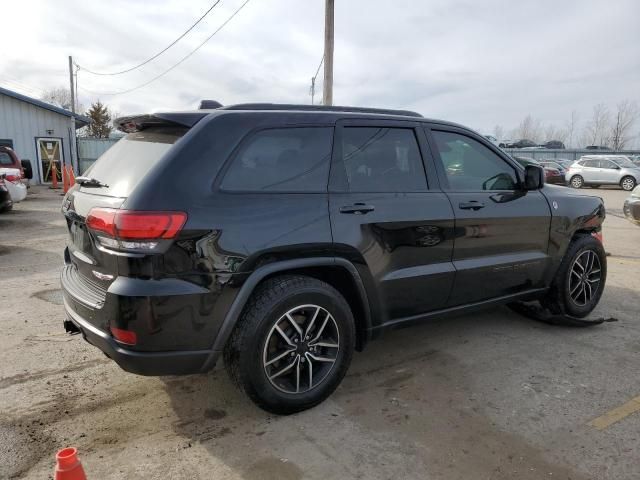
[(533, 177), (26, 166)]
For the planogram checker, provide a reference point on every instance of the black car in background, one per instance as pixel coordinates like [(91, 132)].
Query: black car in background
[(554, 144), (524, 143), (6, 203), (281, 238)]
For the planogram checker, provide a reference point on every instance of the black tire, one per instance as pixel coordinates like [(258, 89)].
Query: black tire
[(576, 181), (628, 183), (267, 308), (559, 299)]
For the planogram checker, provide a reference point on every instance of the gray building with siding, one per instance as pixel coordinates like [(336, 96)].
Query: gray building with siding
[(39, 132)]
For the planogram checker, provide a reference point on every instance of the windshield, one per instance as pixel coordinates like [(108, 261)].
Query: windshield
[(128, 161), (625, 162)]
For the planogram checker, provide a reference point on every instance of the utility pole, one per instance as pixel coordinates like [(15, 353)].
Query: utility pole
[(73, 95), (327, 89), (313, 88)]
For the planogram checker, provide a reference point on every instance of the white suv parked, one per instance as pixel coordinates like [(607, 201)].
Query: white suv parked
[(596, 170)]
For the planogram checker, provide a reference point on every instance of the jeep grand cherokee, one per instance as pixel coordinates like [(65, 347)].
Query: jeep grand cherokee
[(281, 238)]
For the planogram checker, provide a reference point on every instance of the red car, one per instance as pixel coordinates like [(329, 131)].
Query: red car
[(551, 174), (9, 159)]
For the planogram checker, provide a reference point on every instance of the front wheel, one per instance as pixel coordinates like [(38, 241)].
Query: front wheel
[(580, 279), (577, 181), (628, 183), (292, 345)]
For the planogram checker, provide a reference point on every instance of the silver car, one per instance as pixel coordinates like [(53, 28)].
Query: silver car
[(596, 170)]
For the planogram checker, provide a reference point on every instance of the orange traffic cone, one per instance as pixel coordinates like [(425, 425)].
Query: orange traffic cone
[(68, 467), (72, 177), (54, 175), (65, 180)]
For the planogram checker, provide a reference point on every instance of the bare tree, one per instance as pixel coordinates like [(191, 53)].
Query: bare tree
[(58, 96), (530, 129), (498, 132), (570, 127), (623, 119), (551, 132), (597, 129)]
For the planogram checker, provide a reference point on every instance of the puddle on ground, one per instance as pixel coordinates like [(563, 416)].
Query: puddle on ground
[(52, 296)]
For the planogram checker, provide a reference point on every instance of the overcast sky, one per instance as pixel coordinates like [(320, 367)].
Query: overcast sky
[(480, 63)]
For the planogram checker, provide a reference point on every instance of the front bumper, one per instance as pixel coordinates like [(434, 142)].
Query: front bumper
[(141, 363)]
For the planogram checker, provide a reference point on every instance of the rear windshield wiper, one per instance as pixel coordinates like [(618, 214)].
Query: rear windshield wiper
[(90, 182)]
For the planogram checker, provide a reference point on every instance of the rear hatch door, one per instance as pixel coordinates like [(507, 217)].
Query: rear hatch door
[(114, 176)]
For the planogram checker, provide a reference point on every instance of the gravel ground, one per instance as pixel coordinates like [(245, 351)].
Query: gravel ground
[(484, 396)]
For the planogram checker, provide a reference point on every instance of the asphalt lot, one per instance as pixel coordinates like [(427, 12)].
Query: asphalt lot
[(483, 396)]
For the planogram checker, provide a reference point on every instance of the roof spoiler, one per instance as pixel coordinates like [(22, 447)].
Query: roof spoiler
[(209, 105), (136, 123)]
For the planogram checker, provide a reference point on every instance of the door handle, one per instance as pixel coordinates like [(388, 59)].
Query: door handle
[(357, 208), (471, 205)]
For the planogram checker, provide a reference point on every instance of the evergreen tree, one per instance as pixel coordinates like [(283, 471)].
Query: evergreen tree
[(100, 126)]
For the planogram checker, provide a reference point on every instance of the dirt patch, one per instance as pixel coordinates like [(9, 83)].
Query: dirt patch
[(24, 444), (273, 469), (52, 296)]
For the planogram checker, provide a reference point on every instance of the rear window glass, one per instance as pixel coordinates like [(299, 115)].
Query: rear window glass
[(128, 161), (5, 159), (282, 160)]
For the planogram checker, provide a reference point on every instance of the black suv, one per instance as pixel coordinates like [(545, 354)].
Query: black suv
[(283, 237)]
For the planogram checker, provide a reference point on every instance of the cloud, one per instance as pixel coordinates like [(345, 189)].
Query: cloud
[(476, 63)]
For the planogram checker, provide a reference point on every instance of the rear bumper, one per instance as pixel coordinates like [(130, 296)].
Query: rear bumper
[(141, 363)]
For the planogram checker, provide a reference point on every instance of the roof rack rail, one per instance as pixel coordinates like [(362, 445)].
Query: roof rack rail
[(318, 108)]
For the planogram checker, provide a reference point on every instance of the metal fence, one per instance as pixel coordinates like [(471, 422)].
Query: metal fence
[(568, 154), (89, 149)]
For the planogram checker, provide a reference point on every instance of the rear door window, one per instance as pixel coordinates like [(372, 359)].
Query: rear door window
[(378, 159), (128, 161), (292, 159)]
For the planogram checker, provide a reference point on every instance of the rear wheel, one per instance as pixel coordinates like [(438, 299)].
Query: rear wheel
[(292, 345), (576, 181), (580, 279), (628, 183)]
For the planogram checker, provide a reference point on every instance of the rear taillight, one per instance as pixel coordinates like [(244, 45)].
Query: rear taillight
[(13, 178), (134, 230), (124, 336)]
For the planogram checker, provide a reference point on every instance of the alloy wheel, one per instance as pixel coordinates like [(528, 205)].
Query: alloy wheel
[(576, 182), (585, 277), (301, 349), (628, 184)]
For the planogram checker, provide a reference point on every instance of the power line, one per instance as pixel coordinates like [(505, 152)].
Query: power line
[(318, 70), (312, 90), (157, 54), (174, 65)]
